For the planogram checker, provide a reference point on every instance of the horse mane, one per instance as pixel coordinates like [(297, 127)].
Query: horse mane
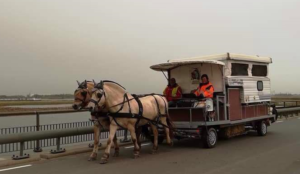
[(109, 81)]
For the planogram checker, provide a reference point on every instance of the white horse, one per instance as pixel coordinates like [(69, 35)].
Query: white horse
[(82, 96), (125, 112)]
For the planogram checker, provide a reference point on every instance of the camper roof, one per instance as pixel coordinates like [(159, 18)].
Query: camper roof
[(174, 64), (211, 59), (228, 56)]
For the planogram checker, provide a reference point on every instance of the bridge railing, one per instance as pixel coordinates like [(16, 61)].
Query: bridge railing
[(286, 103), (287, 108), (39, 136)]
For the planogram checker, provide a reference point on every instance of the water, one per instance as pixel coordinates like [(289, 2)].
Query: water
[(18, 121), (41, 106)]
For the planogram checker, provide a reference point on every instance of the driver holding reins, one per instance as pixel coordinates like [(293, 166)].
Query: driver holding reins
[(205, 89)]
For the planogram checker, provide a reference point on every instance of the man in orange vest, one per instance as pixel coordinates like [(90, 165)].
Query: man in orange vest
[(173, 92), (205, 89)]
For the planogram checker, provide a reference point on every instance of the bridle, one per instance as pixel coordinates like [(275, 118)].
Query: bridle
[(84, 94), (99, 96)]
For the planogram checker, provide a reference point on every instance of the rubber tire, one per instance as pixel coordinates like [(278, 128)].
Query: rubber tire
[(260, 128), (160, 139), (205, 138)]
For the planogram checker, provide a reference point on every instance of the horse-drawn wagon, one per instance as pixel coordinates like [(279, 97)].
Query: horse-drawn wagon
[(241, 99), (239, 102)]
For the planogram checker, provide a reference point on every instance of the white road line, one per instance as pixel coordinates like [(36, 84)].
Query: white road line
[(2, 159), (2, 170), (299, 118), (133, 146), (278, 121)]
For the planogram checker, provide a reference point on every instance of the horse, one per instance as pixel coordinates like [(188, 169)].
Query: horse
[(82, 96), (129, 112)]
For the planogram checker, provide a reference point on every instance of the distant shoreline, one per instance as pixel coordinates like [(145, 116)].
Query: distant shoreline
[(11, 104), (32, 102)]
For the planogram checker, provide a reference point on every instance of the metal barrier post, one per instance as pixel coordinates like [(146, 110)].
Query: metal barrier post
[(58, 149), (22, 155), (37, 147), (125, 140)]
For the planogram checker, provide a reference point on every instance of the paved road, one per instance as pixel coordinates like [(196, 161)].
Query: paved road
[(277, 153)]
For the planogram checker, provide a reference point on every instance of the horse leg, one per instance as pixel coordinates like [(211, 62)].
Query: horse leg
[(105, 157), (94, 154), (138, 136), (155, 142), (134, 140), (117, 148)]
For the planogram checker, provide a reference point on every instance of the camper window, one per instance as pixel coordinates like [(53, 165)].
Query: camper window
[(260, 86), (239, 69), (259, 70)]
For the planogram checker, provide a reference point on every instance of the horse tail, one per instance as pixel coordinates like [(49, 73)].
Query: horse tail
[(169, 120), (170, 125)]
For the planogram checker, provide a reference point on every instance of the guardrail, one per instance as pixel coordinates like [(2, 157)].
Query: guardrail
[(289, 111), (38, 136), (287, 103)]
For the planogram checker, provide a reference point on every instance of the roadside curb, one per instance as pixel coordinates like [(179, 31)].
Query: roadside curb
[(11, 162), (75, 152), (48, 156)]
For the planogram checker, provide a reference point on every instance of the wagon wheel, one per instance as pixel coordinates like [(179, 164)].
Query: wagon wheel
[(210, 138), (262, 128)]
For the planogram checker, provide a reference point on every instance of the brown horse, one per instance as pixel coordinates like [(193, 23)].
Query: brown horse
[(113, 97), (82, 96)]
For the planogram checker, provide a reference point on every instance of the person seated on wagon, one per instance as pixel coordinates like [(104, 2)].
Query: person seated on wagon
[(173, 92), (205, 89)]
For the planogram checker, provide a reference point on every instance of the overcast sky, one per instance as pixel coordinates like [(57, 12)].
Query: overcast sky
[(46, 45)]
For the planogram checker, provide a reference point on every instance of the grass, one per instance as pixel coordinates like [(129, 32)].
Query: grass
[(42, 102)]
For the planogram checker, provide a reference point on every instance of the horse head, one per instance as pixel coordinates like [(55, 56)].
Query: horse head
[(82, 94), (98, 98)]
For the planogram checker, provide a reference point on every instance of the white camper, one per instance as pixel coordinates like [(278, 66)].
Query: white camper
[(242, 95)]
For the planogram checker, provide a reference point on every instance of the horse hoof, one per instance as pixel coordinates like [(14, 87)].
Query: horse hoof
[(103, 161), (154, 152), (116, 154), (92, 159)]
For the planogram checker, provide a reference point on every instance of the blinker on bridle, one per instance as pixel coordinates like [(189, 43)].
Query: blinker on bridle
[(82, 86), (98, 87)]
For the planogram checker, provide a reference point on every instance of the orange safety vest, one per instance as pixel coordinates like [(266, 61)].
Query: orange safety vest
[(207, 89), (173, 92)]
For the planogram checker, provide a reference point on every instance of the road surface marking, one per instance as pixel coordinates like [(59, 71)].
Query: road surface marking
[(299, 118), (2, 159), (133, 146), (279, 121), (2, 170)]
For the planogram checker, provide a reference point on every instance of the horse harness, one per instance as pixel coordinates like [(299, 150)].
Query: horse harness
[(137, 116)]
